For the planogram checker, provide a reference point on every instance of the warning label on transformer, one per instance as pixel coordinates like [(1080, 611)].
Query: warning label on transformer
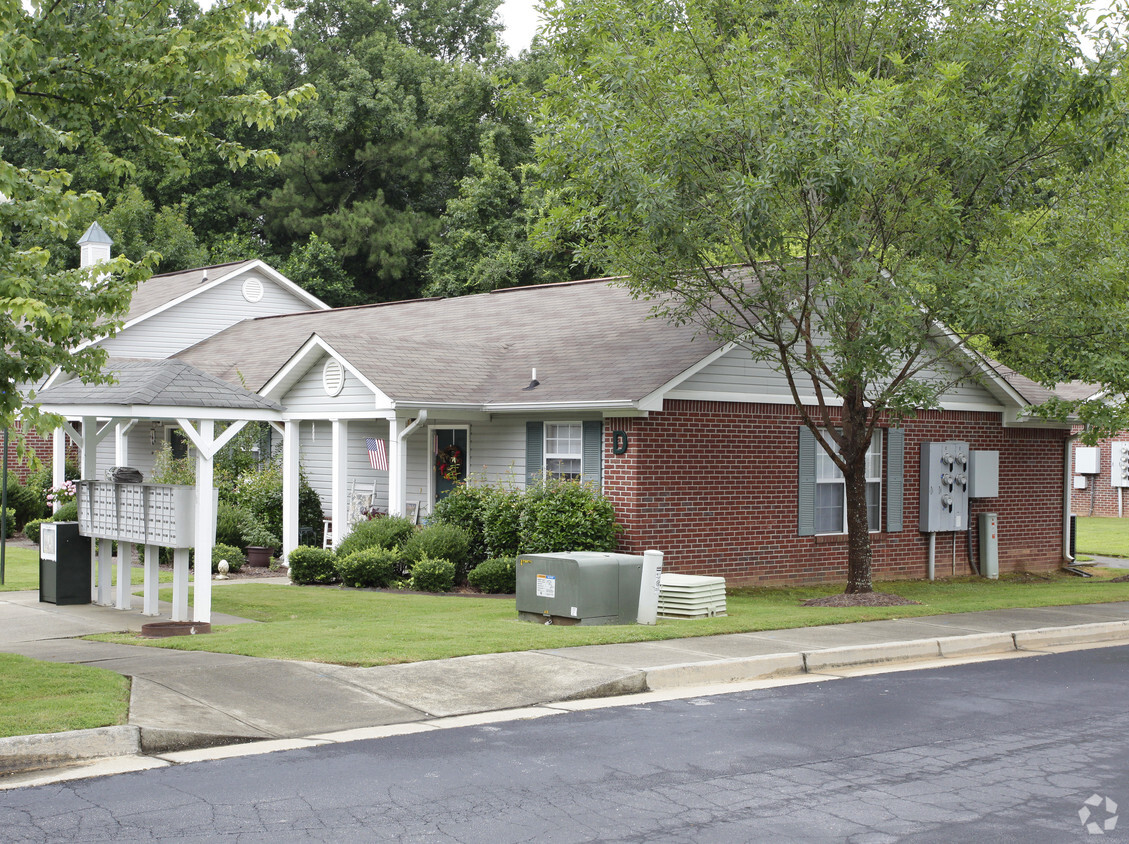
[(546, 586)]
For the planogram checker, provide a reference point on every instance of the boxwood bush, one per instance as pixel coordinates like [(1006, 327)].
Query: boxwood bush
[(381, 532), (432, 575), (371, 567), (497, 576), (67, 513), (566, 516), (235, 558), (501, 522), (312, 565), (25, 501), (438, 541), (31, 529), (464, 507)]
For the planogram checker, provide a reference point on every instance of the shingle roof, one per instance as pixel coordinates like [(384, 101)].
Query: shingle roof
[(161, 289), (166, 383), (589, 341), (1035, 393)]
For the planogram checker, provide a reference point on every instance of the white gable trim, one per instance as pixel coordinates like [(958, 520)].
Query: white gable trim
[(654, 400), (301, 361)]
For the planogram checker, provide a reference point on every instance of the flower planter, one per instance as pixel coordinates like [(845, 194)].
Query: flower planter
[(258, 556)]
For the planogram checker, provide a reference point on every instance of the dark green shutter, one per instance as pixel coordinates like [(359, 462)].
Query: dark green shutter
[(593, 453), (534, 452), (806, 498), (895, 487)]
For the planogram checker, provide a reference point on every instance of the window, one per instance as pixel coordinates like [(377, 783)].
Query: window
[(564, 450), (831, 490)]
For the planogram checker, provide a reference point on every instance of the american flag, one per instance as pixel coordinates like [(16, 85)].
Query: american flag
[(377, 454)]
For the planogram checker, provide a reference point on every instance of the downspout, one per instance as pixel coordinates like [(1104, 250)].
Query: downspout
[(404, 434), (1068, 490)]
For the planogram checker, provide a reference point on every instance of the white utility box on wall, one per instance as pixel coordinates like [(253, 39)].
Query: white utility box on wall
[(1087, 460)]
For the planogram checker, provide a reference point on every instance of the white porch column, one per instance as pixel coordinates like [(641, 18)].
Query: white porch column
[(397, 468), (205, 525), (88, 468), (339, 477), (290, 490), (58, 460), (125, 575), (104, 550)]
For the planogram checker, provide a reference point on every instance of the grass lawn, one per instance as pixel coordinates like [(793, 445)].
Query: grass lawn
[(359, 627), (45, 697), (21, 571), (1105, 535)]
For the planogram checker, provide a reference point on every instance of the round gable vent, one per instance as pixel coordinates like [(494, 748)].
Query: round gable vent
[(333, 377), (253, 289)]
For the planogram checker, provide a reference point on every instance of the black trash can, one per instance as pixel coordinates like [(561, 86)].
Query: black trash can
[(64, 564)]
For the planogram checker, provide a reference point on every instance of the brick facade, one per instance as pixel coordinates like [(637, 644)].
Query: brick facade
[(714, 486), (20, 467), (1101, 497)]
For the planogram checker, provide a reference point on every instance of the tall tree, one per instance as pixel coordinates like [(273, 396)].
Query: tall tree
[(109, 82), (833, 184)]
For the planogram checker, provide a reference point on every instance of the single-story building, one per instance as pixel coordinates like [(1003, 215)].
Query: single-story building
[(698, 446)]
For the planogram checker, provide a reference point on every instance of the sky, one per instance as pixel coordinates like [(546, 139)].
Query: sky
[(520, 19)]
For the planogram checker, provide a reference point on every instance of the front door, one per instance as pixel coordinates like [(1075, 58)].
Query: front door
[(450, 459)]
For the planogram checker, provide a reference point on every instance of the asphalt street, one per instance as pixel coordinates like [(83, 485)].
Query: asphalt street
[(1026, 749)]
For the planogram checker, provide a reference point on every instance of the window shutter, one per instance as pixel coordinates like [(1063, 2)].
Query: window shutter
[(806, 498), (895, 492), (593, 453), (534, 452)]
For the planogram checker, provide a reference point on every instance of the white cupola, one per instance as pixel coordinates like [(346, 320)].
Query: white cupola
[(94, 246)]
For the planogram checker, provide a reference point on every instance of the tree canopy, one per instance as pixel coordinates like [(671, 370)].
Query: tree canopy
[(859, 191), (107, 84)]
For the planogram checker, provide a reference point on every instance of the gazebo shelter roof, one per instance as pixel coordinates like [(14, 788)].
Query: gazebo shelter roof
[(157, 389)]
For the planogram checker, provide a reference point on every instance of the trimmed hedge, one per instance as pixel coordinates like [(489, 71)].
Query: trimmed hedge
[(438, 541), (381, 532), (497, 576), (67, 513), (369, 567), (312, 565), (432, 575), (31, 529)]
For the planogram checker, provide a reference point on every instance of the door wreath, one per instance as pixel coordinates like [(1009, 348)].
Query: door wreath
[(448, 461)]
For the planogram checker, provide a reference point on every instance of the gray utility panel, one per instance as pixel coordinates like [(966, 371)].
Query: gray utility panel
[(579, 588), (944, 487)]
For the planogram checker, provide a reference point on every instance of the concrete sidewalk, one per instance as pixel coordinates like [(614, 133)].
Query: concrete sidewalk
[(184, 700)]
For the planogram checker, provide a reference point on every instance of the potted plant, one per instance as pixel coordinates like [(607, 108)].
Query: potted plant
[(260, 543)]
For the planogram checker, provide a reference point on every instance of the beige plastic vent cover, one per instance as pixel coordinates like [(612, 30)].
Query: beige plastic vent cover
[(333, 377)]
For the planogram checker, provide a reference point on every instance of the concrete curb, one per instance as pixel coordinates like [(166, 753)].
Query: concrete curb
[(852, 655), (29, 753), (1079, 634)]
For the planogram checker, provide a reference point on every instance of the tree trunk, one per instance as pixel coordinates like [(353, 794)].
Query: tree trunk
[(858, 527)]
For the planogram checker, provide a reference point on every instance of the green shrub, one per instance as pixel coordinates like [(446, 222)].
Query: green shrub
[(432, 575), (496, 576), (10, 524), (229, 521), (440, 541), (25, 501), (39, 482), (501, 522), (255, 534), (235, 558), (312, 565), (67, 513), (369, 567), (465, 507), (31, 529), (381, 532), (566, 516), (260, 492)]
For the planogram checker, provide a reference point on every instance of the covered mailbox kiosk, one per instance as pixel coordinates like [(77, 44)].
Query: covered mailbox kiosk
[(579, 588)]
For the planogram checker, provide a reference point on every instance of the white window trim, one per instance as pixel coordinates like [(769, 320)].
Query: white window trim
[(876, 441), (546, 456)]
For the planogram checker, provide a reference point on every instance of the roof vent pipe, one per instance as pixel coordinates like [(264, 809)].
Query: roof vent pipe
[(533, 383)]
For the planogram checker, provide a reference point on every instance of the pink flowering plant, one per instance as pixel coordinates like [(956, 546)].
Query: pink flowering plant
[(62, 494)]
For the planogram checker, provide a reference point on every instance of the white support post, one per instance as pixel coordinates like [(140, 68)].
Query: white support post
[(205, 525), (88, 468), (125, 575), (397, 463), (58, 460), (339, 477), (290, 489), (152, 578), (105, 571), (121, 444), (180, 584)]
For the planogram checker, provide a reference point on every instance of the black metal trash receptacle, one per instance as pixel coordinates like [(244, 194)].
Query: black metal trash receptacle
[(64, 564)]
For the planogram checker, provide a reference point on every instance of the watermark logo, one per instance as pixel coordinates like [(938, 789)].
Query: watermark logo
[(1098, 814)]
